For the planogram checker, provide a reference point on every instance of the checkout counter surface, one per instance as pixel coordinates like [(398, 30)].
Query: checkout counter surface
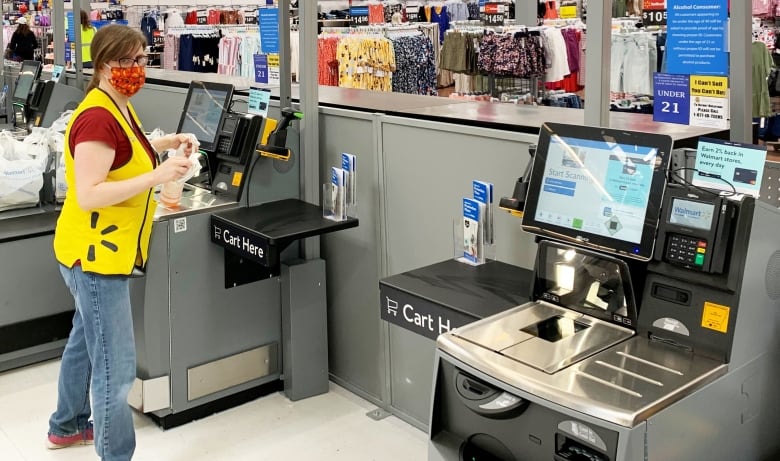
[(26, 223), (193, 200), (475, 291), (489, 115)]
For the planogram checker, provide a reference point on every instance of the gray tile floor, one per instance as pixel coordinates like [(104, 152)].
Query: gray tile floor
[(333, 426)]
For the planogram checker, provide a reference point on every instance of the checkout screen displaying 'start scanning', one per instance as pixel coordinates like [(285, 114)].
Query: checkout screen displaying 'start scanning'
[(597, 187)]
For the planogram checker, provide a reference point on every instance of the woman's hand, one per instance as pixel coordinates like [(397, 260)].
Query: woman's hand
[(174, 141), (172, 169)]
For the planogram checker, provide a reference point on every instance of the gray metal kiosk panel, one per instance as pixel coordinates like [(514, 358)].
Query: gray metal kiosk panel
[(411, 370), (428, 168), (29, 264), (151, 317), (706, 424), (209, 322), (419, 222), (304, 314), (353, 258)]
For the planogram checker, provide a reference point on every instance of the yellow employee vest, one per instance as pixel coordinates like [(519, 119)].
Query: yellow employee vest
[(106, 240), (86, 44)]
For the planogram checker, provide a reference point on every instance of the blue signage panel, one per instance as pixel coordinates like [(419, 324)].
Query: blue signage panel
[(259, 100), (724, 165), (697, 38), (269, 30), (261, 68), (358, 15), (672, 98)]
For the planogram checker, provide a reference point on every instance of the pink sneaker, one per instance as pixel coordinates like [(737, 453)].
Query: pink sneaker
[(85, 437)]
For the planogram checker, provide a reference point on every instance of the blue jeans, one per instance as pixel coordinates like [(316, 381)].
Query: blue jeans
[(100, 354)]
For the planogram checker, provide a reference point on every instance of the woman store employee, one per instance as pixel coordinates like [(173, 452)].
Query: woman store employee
[(101, 239)]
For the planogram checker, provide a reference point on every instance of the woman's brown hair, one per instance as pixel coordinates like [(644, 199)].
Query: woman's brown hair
[(111, 43), (23, 29), (86, 24)]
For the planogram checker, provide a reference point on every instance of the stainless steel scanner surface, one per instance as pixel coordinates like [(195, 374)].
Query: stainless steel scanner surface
[(623, 381)]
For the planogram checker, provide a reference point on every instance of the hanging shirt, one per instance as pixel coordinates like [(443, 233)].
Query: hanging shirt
[(762, 65), (439, 15), (174, 19), (761, 7), (557, 55), (376, 13), (148, 26), (551, 10)]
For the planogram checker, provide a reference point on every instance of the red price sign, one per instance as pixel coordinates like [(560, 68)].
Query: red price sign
[(654, 5), (494, 14), (494, 8)]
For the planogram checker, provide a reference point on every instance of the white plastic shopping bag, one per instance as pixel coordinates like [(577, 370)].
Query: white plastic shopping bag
[(20, 182)]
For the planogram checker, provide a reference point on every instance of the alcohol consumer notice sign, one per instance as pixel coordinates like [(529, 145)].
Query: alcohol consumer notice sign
[(709, 101), (697, 41)]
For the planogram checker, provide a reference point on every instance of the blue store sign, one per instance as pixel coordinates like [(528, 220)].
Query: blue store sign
[(261, 68), (269, 30), (696, 37), (672, 98)]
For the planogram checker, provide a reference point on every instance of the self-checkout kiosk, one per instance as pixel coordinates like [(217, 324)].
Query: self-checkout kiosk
[(23, 87), (227, 138), (652, 330), (34, 323), (222, 309), (49, 100)]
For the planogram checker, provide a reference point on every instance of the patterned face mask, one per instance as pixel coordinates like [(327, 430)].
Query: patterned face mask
[(127, 81)]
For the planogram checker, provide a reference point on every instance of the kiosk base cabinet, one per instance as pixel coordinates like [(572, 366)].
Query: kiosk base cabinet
[(36, 308), (210, 341), (719, 422)]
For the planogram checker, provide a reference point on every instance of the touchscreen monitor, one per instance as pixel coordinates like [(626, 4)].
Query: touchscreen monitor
[(28, 73), (203, 111), (599, 188)]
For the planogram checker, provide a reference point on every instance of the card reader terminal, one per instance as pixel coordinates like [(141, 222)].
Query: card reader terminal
[(696, 229)]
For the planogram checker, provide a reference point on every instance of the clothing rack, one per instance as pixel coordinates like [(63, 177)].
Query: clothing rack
[(375, 29), (196, 28), (576, 22)]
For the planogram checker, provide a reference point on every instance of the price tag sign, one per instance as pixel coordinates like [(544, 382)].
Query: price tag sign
[(358, 16), (261, 68), (569, 12), (158, 38), (654, 17), (654, 12), (258, 101), (494, 14), (672, 98)]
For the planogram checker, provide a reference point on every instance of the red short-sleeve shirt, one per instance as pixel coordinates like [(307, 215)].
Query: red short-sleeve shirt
[(97, 124)]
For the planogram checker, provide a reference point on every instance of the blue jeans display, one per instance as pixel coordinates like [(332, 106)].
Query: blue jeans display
[(100, 354)]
